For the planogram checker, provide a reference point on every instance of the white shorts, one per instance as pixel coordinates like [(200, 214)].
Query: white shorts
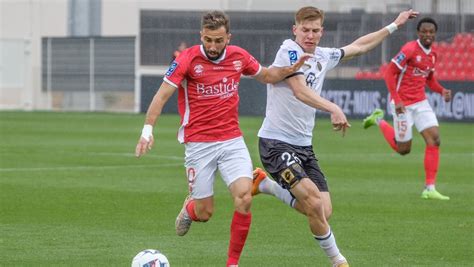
[(203, 159), (421, 114)]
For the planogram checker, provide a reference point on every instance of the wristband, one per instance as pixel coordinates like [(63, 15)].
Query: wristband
[(147, 132), (391, 27)]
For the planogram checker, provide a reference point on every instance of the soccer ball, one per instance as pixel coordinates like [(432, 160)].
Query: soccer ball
[(150, 258)]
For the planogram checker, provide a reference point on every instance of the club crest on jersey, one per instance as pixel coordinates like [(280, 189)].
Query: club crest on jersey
[(237, 65), (172, 68), (418, 58), (293, 56), (334, 55), (198, 69), (400, 57)]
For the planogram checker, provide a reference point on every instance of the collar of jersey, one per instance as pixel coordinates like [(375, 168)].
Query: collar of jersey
[(427, 51), (217, 61), (301, 48)]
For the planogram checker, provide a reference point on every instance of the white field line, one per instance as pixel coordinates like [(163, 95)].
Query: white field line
[(63, 168), (132, 155), (128, 155)]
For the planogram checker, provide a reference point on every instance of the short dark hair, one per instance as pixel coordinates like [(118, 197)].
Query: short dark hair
[(214, 20), (426, 20)]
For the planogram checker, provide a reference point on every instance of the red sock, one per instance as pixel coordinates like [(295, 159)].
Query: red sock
[(389, 134), (431, 164), (190, 210), (239, 230)]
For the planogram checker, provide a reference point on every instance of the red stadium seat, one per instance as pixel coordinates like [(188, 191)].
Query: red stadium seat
[(378, 75), (458, 38), (383, 67), (452, 75), (442, 75), (448, 65), (359, 75), (470, 76)]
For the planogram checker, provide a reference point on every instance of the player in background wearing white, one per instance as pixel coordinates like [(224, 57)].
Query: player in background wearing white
[(207, 77), (408, 73), (286, 133)]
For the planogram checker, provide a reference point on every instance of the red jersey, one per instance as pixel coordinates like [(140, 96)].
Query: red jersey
[(208, 92), (416, 64)]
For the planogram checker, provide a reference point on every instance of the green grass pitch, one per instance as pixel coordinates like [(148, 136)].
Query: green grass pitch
[(73, 194)]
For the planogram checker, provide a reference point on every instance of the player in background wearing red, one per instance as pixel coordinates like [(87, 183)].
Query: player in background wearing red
[(207, 77), (408, 73)]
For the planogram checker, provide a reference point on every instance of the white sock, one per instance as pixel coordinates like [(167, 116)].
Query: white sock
[(328, 243), (268, 186), (377, 120), (430, 187)]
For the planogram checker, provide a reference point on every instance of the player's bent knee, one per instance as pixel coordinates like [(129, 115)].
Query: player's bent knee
[(243, 202), (204, 213), (313, 206), (246, 199), (327, 212), (404, 152), (204, 216)]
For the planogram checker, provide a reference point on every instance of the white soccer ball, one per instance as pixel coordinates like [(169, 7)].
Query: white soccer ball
[(150, 258)]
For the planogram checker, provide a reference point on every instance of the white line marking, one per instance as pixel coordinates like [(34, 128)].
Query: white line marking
[(65, 168), (132, 155)]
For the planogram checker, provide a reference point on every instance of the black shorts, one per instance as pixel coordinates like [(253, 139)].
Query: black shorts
[(288, 164)]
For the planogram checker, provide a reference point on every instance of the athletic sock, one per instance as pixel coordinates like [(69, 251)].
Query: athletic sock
[(239, 230), (389, 134), (328, 243), (431, 164), (190, 210), (268, 186), (378, 120), (430, 187)]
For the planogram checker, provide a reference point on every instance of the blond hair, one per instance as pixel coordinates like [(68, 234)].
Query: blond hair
[(214, 20), (309, 13)]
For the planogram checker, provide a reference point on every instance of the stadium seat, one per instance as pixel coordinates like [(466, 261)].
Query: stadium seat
[(455, 60), (441, 75)]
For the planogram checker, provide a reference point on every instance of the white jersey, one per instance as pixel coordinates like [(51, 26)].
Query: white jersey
[(286, 118)]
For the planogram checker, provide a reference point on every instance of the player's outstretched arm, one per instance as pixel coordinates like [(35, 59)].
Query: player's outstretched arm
[(367, 42), (154, 110), (277, 74), (312, 99)]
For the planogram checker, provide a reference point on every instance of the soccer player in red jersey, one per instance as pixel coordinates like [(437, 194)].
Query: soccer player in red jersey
[(207, 77), (408, 73)]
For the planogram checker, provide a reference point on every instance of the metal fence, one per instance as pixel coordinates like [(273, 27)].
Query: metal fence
[(262, 33), (89, 73)]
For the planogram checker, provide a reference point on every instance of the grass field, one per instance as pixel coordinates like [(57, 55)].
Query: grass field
[(73, 194)]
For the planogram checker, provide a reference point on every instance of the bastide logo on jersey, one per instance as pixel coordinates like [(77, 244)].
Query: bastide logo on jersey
[(172, 68), (224, 89), (293, 55)]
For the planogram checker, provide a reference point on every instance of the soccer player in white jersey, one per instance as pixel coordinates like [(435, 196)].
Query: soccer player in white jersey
[(285, 137), (207, 77)]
